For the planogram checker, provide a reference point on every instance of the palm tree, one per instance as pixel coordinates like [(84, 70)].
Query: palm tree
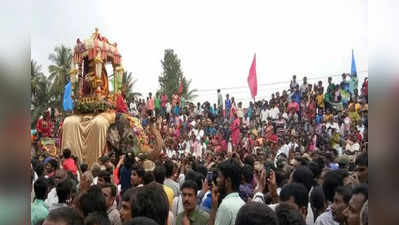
[(61, 59), (36, 75), (189, 95), (39, 91), (128, 83)]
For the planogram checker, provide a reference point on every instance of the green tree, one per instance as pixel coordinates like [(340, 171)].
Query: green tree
[(172, 75), (40, 88), (61, 59), (128, 83)]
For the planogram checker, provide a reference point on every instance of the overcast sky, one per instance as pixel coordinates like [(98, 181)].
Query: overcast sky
[(215, 40)]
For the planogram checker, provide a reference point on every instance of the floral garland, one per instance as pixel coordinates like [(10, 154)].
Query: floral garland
[(91, 107)]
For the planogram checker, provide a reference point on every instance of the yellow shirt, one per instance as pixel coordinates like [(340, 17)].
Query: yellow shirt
[(169, 193), (357, 106), (328, 117), (320, 101), (354, 116)]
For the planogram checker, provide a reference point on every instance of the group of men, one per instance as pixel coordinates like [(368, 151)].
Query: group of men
[(299, 158)]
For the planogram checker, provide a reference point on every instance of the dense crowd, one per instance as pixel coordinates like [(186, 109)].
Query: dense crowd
[(300, 157)]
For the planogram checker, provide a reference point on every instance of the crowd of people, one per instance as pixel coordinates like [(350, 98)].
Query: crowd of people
[(300, 157)]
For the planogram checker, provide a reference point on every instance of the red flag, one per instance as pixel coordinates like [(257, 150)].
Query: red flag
[(181, 87), (252, 81)]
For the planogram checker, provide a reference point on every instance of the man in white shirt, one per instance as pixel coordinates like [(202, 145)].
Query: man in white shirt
[(168, 107), (220, 99), (228, 182), (264, 114), (240, 112), (52, 198), (304, 86), (284, 149), (274, 113), (293, 82), (110, 191)]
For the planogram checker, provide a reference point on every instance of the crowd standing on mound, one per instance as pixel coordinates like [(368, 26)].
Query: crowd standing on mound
[(300, 157)]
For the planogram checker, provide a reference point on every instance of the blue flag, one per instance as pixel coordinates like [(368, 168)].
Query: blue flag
[(68, 102), (353, 68), (353, 83)]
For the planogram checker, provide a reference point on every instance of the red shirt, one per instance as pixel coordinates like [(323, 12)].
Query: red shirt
[(164, 99), (150, 104), (44, 127), (121, 105), (69, 164), (293, 106)]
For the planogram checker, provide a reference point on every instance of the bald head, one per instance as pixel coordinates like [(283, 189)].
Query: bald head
[(60, 176)]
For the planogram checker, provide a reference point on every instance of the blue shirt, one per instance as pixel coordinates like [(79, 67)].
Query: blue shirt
[(176, 110), (319, 119), (297, 97), (144, 123), (228, 104), (212, 131), (207, 203), (124, 178), (250, 111)]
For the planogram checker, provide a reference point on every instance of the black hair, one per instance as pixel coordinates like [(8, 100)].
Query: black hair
[(148, 177), (256, 213), (38, 168), (97, 218), (231, 169), (190, 184), (68, 215), (112, 187), (130, 194), (316, 169), (346, 193), (159, 174), (66, 153), (93, 200), (249, 159), (40, 188), (139, 170), (141, 221), (362, 159), (64, 190), (361, 189), (296, 190), (169, 167), (151, 202), (281, 177), (247, 173), (39, 222), (105, 175), (287, 215), (302, 161), (84, 167), (303, 175), (317, 198), (53, 163), (332, 180), (202, 170), (104, 159), (195, 176)]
